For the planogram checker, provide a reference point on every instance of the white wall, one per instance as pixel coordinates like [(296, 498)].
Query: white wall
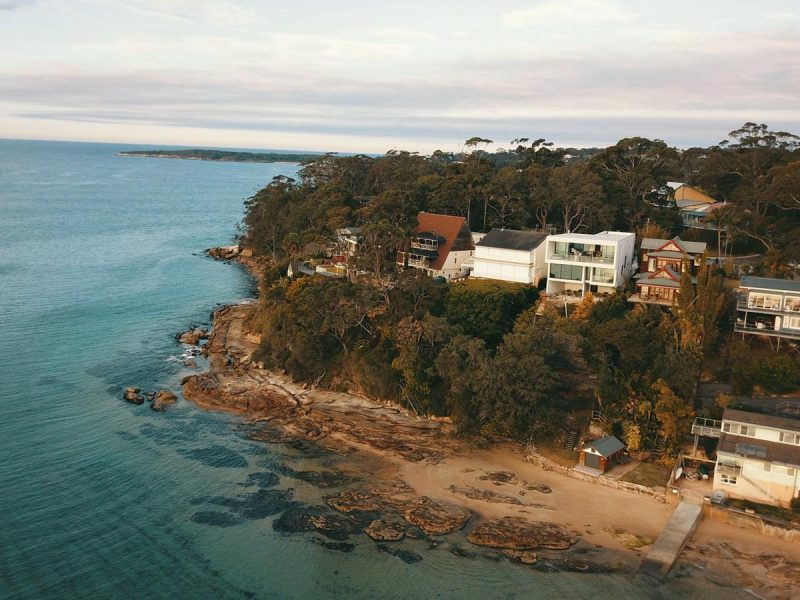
[(453, 264), (505, 265)]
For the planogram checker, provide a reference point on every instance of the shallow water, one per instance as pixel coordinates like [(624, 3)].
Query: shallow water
[(100, 265)]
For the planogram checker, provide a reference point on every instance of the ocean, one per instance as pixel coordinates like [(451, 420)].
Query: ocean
[(101, 264)]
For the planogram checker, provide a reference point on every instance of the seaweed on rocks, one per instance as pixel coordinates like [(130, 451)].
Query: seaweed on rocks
[(305, 519)]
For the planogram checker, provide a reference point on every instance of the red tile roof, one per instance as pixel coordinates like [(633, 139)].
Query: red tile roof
[(454, 230)]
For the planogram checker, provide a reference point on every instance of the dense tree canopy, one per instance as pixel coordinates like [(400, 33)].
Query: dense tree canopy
[(478, 350)]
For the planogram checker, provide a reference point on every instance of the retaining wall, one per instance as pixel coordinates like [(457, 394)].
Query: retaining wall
[(549, 465), (739, 518)]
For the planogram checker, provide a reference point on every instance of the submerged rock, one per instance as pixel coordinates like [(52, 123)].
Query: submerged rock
[(514, 533), (435, 517), (216, 518), (405, 555), (315, 518), (163, 399)]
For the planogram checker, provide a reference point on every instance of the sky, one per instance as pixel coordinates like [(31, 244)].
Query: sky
[(370, 76)]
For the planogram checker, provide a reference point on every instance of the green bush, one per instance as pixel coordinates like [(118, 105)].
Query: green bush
[(779, 374)]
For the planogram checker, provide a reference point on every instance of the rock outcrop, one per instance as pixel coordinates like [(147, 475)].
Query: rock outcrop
[(193, 336), (224, 252), (513, 533), (386, 531), (133, 396), (435, 517)]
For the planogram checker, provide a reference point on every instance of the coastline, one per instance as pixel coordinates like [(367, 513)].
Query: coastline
[(422, 462)]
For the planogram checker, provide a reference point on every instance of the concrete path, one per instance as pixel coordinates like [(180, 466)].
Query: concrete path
[(669, 544)]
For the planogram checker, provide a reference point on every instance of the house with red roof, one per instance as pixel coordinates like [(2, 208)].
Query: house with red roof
[(439, 245), (661, 266)]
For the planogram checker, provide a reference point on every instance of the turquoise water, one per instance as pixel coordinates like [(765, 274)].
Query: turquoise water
[(100, 265)]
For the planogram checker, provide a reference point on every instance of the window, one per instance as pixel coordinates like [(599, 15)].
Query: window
[(792, 304), (792, 322), (603, 275), (571, 272), (760, 300), (767, 467), (789, 438), (728, 479), (728, 428), (790, 471), (747, 430)]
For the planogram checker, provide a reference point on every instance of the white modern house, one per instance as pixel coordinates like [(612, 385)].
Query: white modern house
[(511, 255), (758, 457), (583, 262)]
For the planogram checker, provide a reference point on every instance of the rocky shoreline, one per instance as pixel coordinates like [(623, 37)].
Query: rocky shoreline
[(430, 485), (386, 509)]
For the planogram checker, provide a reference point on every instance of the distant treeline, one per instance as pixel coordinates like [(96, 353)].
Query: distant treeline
[(223, 155)]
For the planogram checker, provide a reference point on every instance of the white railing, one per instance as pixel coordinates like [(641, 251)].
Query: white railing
[(707, 427), (418, 262), (579, 258)]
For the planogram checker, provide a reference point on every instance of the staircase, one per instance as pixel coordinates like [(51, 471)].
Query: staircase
[(571, 439), (579, 376)]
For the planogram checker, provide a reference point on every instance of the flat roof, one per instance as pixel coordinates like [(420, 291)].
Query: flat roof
[(767, 283), (603, 236)]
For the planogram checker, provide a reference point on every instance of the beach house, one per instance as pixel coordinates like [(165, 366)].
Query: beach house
[(661, 266), (769, 308), (582, 262), (511, 255), (758, 457), (439, 246)]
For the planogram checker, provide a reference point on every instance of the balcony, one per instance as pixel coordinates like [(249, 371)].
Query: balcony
[(764, 328), (582, 259), (424, 244), (419, 263), (743, 304), (707, 427)]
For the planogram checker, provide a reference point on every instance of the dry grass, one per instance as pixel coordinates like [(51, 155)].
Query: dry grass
[(648, 474), (568, 458)]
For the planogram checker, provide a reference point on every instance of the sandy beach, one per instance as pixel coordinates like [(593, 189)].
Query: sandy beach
[(608, 529)]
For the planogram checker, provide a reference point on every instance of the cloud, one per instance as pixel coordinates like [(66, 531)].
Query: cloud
[(15, 4), (570, 11), (218, 12)]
